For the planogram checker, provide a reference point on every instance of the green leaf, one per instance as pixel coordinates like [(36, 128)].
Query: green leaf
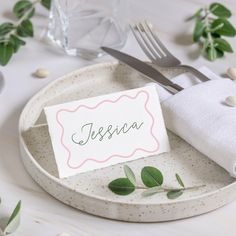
[(5, 28), (219, 10), (129, 174), (223, 45), (173, 194), (121, 186), (180, 181), (46, 3), (196, 15), (152, 191), (219, 53), (16, 42), (22, 7), (205, 44), (6, 51), (14, 220), (151, 176), (198, 30), (25, 29), (227, 29), (211, 53)]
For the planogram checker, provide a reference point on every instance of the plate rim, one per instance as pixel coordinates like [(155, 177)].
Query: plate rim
[(55, 179)]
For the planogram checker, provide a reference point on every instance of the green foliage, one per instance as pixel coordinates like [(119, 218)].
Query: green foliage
[(180, 181), (11, 33), (173, 194), (152, 178), (121, 186), (129, 174), (22, 8), (220, 10), (46, 3), (13, 222), (6, 52), (211, 24)]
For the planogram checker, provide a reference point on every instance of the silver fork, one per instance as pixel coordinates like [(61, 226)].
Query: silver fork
[(157, 52)]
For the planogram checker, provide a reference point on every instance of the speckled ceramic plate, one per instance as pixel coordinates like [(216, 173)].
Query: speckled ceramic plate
[(88, 191)]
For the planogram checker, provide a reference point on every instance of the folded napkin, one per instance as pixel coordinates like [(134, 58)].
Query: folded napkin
[(199, 115)]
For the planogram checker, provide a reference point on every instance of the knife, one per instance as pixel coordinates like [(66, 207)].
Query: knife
[(144, 68)]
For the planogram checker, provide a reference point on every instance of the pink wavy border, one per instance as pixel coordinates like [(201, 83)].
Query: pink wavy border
[(92, 108)]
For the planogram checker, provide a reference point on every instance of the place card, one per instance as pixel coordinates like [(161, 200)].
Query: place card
[(101, 131)]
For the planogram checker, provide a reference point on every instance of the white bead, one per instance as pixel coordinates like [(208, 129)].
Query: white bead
[(231, 72), (231, 101), (41, 73), (63, 234)]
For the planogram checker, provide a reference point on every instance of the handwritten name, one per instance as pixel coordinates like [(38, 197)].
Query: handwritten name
[(103, 133)]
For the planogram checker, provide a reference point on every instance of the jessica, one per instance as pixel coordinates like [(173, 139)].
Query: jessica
[(103, 132)]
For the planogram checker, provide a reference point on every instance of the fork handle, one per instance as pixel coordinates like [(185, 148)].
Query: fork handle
[(195, 72)]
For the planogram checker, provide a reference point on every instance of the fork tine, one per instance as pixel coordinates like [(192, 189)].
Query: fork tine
[(158, 41), (152, 40), (145, 50), (147, 44)]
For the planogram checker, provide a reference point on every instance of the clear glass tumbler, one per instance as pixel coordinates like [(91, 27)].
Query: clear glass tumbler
[(81, 27)]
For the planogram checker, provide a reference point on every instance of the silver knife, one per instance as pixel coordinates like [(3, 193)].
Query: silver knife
[(144, 68)]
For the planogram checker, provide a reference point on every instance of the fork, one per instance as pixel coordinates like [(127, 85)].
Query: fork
[(157, 52)]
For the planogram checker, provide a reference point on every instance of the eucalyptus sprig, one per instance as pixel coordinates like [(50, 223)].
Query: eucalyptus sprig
[(211, 23), (12, 33), (13, 222), (152, 179)]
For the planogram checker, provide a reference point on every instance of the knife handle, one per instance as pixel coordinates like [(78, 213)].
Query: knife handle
[(177, 87), (173, 88)]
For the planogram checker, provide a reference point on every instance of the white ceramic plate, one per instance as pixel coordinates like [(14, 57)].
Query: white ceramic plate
[(88, 191)]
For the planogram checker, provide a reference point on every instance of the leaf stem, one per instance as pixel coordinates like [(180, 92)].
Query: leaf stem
[(24, 17), (173, 189)]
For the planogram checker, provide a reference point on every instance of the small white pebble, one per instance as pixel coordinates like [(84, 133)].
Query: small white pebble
[(231, 101), (63, 234), (41, 73), (231, 72)]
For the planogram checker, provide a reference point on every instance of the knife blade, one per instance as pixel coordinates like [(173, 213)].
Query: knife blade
[(143, 68)]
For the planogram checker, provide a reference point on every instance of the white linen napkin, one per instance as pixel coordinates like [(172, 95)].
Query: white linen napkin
[(199, 115)]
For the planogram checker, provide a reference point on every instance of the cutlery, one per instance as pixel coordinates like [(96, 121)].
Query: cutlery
[(144, 68), (157, 52)]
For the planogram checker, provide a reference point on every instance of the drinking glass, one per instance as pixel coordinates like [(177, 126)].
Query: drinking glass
[(81, 27)]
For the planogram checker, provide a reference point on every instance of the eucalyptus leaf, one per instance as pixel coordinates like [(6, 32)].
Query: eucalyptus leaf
[(25, 29), (14, 220), (196, 15), (121, 186), (219, 53), (223, 45), (46, 3), (16, 42), (180, 181), (130, 174), (151, 176), (5, 28), (6, 51), (227, 29), (152, 191), (198, 30), (22, 7), (220, 10), (173, 194), (211, 53)]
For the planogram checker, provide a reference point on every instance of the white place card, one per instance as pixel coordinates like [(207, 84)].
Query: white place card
[(101, 131)]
